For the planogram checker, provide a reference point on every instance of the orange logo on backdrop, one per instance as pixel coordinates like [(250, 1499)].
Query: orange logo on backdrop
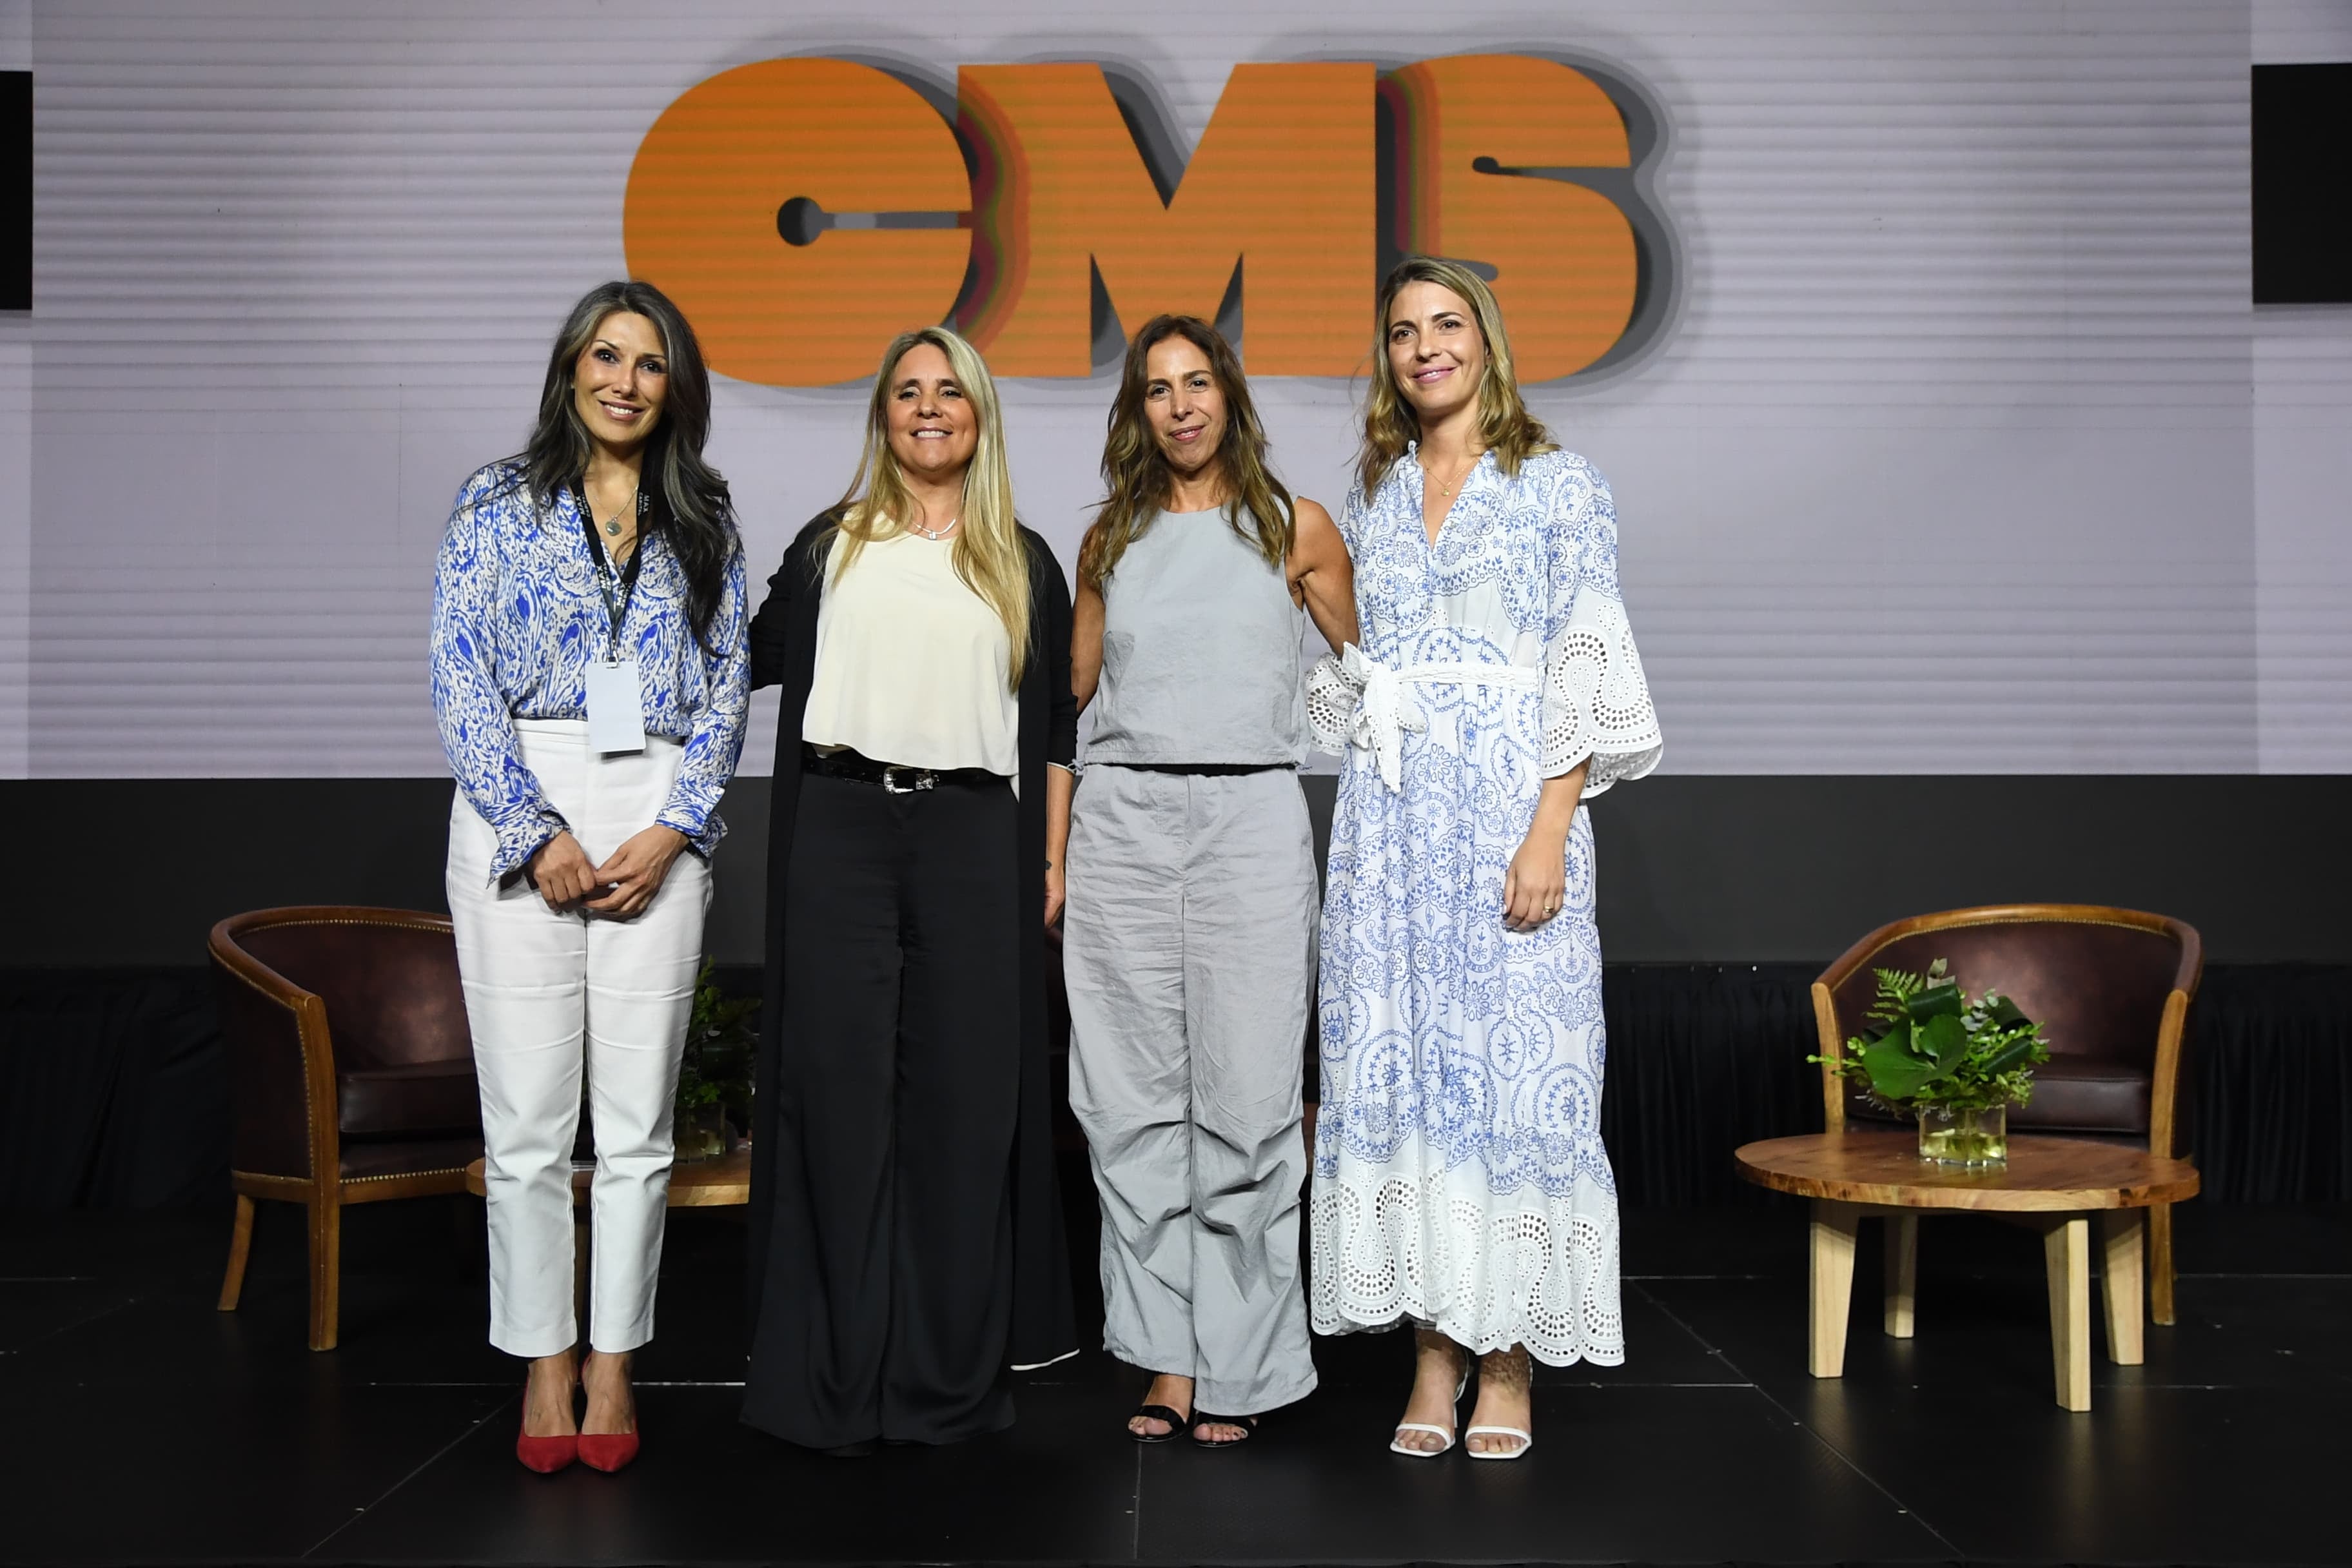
[(1282, 185)]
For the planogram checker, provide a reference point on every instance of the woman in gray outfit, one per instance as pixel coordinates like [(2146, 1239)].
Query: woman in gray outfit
[(1190, 931)]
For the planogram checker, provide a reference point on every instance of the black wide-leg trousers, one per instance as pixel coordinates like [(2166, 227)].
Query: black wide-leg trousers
[(887, 1304)]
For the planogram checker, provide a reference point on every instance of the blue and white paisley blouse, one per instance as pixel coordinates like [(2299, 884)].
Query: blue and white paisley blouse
[(517, 616)]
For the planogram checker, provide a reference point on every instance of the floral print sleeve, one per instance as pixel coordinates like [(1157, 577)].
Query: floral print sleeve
[(1596, 702), (716, 738), (517, 614), (478, 733)]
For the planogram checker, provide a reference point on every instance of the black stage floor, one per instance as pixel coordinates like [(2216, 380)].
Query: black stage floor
[(139, 1425)]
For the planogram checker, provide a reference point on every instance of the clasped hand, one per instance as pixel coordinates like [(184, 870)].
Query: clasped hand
[(624, 885)]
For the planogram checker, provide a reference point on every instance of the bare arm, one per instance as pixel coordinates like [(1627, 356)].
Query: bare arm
[(1322, 578), (1085, 643), (1060, 784)]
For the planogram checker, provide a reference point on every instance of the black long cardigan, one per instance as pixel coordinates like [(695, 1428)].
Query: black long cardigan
[(783, 653)]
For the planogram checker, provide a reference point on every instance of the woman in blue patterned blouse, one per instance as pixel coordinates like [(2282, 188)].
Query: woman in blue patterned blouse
[(589, 673), (1460, 1181)]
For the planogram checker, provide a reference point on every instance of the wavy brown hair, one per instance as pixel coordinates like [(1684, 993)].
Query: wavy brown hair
[(988, 553), (1504, 427), (1138, 474)]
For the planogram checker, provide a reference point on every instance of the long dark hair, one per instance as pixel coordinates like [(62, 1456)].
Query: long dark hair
[(688, 504), (1135, 472)]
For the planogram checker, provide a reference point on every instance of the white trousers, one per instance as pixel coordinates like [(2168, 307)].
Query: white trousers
[(546, 992)]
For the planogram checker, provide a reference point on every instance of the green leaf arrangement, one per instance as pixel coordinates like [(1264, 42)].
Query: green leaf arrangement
[(1932, 1047), (720, 1044)]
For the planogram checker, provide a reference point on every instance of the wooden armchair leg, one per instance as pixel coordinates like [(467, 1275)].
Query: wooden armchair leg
[(241, 1245), (2160, 1263), (326, 1269)]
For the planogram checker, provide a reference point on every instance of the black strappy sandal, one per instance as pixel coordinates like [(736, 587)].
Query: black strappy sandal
[(1248, 1424), (1176, 1423)]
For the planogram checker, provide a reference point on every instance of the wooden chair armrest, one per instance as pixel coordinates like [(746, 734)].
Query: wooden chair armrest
[(275, 1029)]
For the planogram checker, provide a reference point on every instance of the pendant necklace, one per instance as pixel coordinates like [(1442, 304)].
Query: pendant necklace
[(935, 535), (1447, 491), (612, 525)]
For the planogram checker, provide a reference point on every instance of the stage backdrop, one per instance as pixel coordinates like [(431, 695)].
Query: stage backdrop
[(1917, 342), (1945, 437)]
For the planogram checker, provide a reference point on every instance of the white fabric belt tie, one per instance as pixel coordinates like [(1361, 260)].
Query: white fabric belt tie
[(1387, 709)]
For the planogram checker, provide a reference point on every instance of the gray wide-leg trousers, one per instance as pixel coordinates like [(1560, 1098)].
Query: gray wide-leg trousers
[(1189, 952)]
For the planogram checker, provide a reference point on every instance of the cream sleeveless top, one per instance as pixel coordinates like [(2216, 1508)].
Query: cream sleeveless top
[(911, 666)]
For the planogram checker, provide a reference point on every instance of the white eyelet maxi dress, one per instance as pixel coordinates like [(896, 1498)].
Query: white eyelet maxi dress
[(1459, 1178)]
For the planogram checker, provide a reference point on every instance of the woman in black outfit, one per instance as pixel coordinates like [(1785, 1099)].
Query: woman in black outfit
[(906, 1233)]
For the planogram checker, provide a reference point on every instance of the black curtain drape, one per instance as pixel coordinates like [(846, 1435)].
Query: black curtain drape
[(2274, 1073), (114, 1094), (113, 1089), (1705, 1057), (1702, 1058)]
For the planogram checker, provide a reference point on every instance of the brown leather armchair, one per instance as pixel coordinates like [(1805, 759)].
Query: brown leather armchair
[(2111, 989), (352, 1072)]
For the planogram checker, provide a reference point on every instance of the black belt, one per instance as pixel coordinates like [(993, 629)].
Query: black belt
[(896, 777), (1205, 769)]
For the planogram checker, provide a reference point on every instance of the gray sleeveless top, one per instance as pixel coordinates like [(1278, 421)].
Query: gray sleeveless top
[(1200, 661)]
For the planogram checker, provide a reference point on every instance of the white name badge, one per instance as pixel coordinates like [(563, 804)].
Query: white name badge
[(616, 709)]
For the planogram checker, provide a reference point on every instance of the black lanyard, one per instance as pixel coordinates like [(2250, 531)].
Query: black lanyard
[(617, 610)]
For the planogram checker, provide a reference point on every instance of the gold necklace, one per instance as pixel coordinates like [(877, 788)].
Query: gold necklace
[(1447, 491)]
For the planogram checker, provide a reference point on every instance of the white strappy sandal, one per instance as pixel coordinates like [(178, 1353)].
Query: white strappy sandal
[(1396, 1447), (1526, 1441)]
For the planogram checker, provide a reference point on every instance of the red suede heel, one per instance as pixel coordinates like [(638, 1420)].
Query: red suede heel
[(607, 1451), (545, 1455)]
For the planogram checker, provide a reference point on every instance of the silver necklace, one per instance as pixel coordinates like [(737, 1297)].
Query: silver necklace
[(612, 525), (935, 535)]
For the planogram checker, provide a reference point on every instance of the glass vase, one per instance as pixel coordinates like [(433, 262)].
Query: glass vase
[(1949, 1137), (702, 1134)]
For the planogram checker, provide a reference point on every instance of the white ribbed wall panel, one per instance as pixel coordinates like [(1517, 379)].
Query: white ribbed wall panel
[(2302, 32), (2302, 477), (1946, 465), (2302, 472), (15, 473)]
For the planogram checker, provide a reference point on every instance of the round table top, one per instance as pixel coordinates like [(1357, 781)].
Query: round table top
[(693, 1184), (2044, 1175)]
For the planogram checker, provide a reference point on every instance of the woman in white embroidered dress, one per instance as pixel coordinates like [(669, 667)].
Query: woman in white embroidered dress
[(1460, 1179)]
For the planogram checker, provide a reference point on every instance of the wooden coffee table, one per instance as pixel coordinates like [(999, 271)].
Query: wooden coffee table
[(2052, 1184), (714, 1182)]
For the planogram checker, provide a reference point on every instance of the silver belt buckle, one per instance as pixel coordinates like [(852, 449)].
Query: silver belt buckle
[(920, 779)]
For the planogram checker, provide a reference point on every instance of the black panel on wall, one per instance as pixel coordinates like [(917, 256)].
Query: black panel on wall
[(1692, 870), (2302, 185), (16, 190)]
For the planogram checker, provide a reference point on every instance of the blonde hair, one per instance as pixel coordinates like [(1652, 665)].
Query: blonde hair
[(988, 552), (1504, 427)]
